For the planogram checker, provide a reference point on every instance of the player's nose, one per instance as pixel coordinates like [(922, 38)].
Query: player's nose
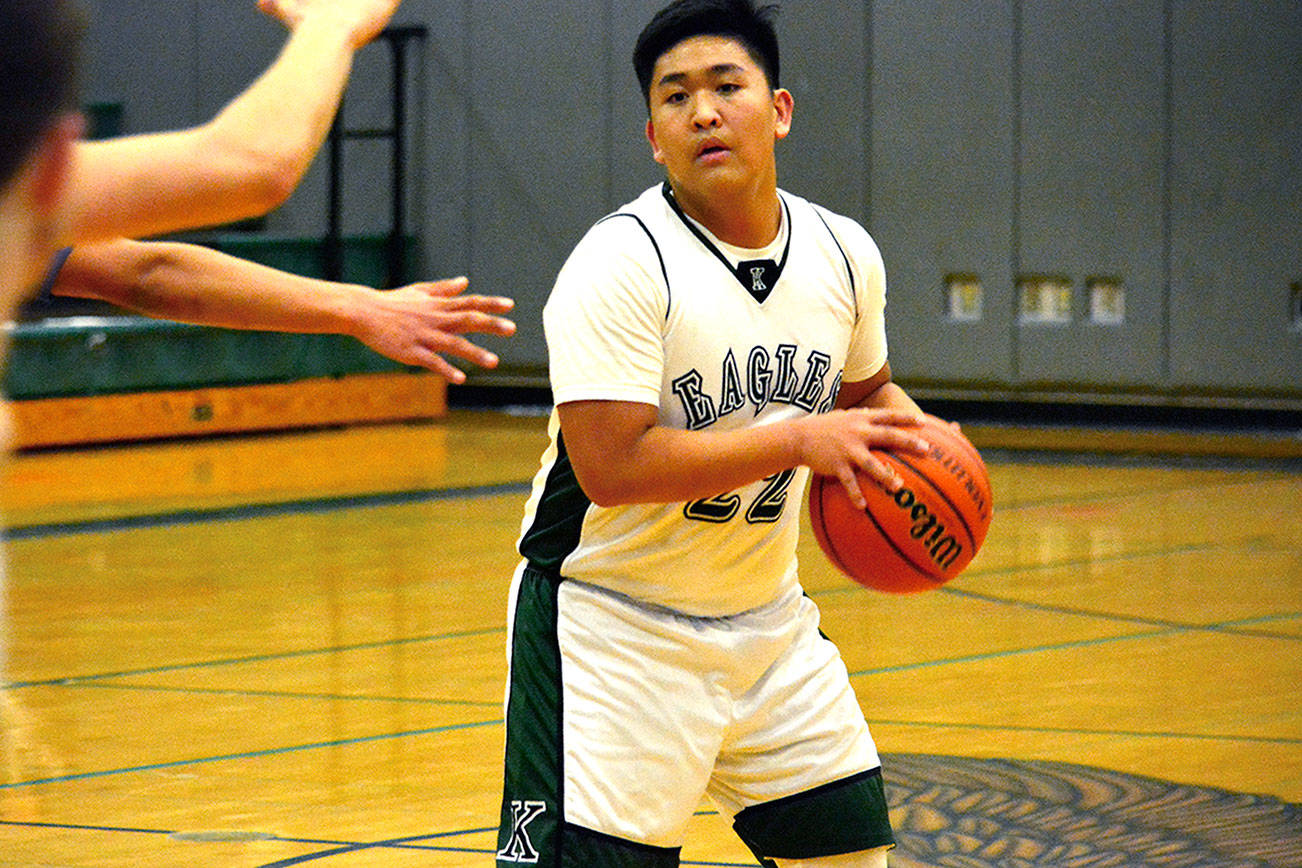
[(705, 113)]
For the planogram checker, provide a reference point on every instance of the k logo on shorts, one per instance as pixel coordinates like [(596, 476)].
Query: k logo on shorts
[(519, 848)]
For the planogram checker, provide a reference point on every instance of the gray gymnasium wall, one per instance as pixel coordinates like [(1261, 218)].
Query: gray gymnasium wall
[(1154, 142)]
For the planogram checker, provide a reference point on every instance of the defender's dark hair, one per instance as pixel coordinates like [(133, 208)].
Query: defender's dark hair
[(40, 44), (683, 19)]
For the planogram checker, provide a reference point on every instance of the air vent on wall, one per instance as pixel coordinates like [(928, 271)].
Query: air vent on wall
[(964, 298), (1044, 299)]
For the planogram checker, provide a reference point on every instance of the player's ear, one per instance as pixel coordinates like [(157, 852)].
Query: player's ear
[(783, 105), (52, 169), (656, 154)]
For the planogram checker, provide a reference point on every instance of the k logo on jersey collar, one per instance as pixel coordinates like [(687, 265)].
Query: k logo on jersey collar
[(757, 276)]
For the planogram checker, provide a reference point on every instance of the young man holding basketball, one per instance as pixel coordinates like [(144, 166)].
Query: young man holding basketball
[(709, 342)]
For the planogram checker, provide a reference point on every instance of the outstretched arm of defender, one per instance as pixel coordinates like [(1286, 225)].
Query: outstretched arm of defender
[(247, 159), (184, 282)]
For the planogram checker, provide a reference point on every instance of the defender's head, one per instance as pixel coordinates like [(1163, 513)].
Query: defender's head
[(39, 48)]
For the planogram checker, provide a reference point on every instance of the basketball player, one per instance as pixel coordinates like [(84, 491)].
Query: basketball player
[(39, 42), (242, 163), (710, 342)]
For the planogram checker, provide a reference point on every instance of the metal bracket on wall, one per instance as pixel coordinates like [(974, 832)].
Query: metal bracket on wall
[(332, 248)]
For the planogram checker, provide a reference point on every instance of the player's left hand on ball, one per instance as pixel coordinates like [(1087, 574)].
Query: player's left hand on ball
[(842, 444), (883, 430)]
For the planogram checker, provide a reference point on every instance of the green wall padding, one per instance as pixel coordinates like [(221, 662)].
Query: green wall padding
[(364, 256), (132, 354), (80, 356)]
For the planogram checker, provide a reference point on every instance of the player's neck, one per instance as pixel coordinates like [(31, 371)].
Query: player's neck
[(746, 218)]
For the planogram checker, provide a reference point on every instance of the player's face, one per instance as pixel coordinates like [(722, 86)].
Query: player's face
[(713, 118)]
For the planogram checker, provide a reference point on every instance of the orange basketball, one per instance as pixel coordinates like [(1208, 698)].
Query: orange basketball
[(922, 535)]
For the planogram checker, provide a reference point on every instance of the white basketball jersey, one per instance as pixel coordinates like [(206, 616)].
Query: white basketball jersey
[(651, 308)]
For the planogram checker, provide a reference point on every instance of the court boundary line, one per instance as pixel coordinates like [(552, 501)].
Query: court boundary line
[(854, 674), (251, 754), (1225, 627), (271, 509), (67, 680), (101, 684), (1054, 646), (1081, 730), (320, 505), (1237, 628), (344, 846), (339, 848)]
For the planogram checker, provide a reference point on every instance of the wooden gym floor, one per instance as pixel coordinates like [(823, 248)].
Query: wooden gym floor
[(288, 650)]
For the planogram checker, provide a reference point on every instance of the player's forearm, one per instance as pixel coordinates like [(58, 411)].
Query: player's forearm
[(671, 465), (685, 465), (621, 455), (193, 284), (274, 129), (889, 396), (242, 163)]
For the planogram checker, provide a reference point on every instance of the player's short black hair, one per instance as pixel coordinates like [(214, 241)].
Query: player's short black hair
[(750, 25), (40, 46)]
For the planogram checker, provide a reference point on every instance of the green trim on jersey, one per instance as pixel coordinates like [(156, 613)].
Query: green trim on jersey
[(558, 519)]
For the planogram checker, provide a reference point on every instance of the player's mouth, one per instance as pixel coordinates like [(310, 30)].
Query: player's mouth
[(711, 150)]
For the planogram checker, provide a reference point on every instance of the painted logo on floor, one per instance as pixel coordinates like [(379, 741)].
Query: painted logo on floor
[(953, 812)]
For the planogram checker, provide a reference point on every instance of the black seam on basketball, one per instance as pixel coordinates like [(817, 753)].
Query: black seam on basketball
[(958, 440), (955, 438), (939, 580), (958, 514), (834, 555)]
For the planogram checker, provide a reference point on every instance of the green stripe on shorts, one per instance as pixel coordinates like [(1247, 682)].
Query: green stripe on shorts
[(845, 816), (533, 831), (532, 794)]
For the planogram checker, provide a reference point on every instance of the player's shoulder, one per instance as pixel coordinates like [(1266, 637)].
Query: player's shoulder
[(618, 250), (847, 232), (626, 235), (647, 208), (840, 225)]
